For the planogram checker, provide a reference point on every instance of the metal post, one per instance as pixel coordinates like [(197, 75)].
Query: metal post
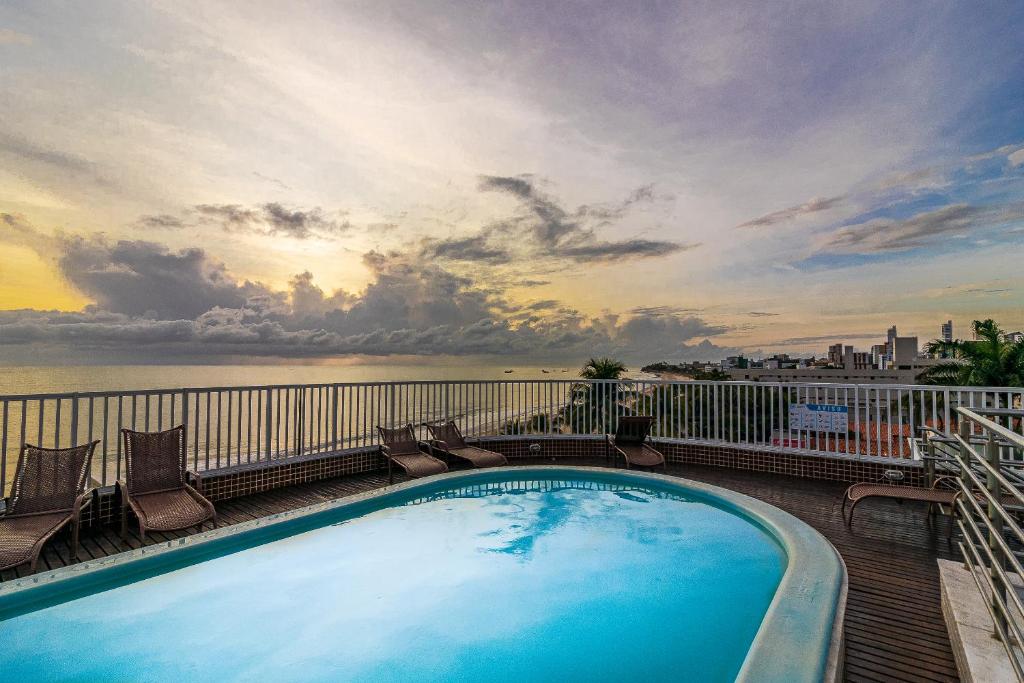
[(995, 525), (965, 481)]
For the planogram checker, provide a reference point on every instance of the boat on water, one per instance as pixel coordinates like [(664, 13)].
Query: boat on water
[(508, 371)]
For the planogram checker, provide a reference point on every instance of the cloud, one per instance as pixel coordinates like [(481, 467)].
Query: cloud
[(830, 338), (1016, 158), (925, 228), (762, 314), (812, 206), (610, 251), (272, 180), (152, 300), (136, 277), (12, 37), (163, 221), (31, 152), (272, 219), (475, 248), (558, 233)]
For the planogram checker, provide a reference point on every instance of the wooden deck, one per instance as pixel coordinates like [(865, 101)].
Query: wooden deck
[(894, 625)]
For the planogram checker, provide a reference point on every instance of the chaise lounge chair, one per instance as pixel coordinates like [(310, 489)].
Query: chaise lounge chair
[(49, 491), (630, 442), (931, 495), (156, 486), (401, 447), (449, 440)]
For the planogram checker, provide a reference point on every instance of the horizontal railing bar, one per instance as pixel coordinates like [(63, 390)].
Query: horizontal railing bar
[(991, 426), (870, 388)]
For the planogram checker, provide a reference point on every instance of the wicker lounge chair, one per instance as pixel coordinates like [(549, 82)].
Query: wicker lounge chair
[(156, 486), (401, 448), (630, 442), (932, 495), (49, 490), (449, 440)]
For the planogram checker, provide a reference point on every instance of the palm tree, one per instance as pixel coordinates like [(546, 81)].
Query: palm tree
[(990, 360), (592, 405), (602, 368)]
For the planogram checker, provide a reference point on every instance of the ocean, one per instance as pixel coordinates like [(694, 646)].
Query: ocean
[(65, 379)]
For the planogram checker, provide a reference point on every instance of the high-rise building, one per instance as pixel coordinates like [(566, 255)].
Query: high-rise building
[(947, 331), (879, 356), (904, 352), (835, 355)]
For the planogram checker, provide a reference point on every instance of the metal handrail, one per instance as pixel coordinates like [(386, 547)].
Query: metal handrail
[(987, 513), (231, 425)]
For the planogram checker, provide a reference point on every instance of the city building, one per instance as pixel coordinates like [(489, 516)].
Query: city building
[(835, 355), (946, 332), (879, 356), (1014, 337), (905, 351)]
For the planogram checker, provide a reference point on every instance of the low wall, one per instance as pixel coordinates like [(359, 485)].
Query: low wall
[(244, 480)]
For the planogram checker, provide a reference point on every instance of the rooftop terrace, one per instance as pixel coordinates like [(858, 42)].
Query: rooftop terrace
[(894, 626), (263, 450)]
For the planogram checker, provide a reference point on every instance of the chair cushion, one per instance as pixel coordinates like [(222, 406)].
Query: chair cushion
[(19, 535), (419, 465), (168, 510), (479, 457), (641, 455)]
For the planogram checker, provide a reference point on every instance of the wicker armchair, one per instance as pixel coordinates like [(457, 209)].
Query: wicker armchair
[(156, 486), (630, 442), (401, 447), (448, 439), (50, 489)]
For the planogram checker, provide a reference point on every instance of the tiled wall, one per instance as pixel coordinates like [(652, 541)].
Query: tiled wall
[(249, 479), (808, 466)]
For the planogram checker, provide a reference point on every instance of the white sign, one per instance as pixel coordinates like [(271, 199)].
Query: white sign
[(819, 417)]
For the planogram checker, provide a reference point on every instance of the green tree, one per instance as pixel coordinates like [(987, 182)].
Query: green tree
[(989, 360), (602, 368), (592, 405)]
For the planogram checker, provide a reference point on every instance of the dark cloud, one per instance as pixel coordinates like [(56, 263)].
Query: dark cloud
[(829, 338), (272, 219), (812, 206), (881, 235), (475, 248), (153, 300), (762, 314), (607, 251), (145, 278), (272, 180), (558, 233), (161, 221)]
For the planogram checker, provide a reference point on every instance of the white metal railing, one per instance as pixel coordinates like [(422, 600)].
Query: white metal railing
[(985, 458), (228, 426)]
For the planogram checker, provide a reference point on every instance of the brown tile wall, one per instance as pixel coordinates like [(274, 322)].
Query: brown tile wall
[(258, 477)]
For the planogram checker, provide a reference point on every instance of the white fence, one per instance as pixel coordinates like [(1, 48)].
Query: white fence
[(235, 425)]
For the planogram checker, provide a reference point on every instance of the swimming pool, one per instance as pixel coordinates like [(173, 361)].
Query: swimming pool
[(515, 574)]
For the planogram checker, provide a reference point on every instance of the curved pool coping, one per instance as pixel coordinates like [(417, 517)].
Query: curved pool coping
[(800, 638)]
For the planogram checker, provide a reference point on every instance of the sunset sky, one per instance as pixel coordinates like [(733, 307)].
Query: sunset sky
[(520, 179)]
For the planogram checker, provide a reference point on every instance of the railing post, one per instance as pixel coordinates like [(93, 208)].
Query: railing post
[(268, 425), (929, 465), (184, 421), (334, 417), (964, 430), (996, 527)]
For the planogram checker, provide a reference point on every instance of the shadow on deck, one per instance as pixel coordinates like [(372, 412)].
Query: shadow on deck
[(894, 625)]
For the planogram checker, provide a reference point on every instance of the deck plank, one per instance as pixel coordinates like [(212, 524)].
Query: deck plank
[(895, 630)]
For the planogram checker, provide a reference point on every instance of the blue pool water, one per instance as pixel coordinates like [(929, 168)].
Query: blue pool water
[(571, 579)]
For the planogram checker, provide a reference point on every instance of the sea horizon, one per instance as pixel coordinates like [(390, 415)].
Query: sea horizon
[(15, 379)]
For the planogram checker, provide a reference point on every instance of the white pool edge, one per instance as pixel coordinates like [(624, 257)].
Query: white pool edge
[(806, 602)]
